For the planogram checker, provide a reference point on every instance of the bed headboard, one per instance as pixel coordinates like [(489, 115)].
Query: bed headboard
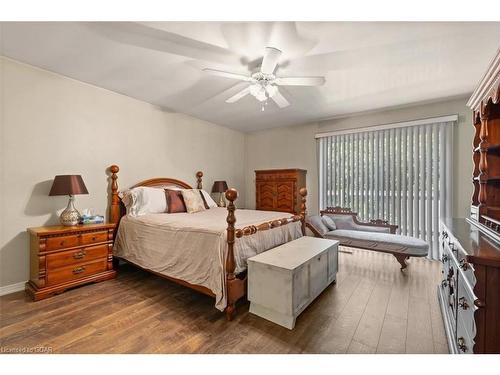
[(117, 208)]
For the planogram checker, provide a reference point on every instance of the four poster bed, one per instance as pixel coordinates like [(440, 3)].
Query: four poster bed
[(205, 251)]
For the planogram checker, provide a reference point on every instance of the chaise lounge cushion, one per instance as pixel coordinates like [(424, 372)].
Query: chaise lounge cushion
[(380, 241)]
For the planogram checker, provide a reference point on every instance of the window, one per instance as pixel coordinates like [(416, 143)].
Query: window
[(400, 173)]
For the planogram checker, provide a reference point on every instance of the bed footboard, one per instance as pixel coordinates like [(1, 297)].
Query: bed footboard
[(236, 288)]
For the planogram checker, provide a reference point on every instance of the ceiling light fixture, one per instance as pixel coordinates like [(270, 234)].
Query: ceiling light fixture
[(263, 84)]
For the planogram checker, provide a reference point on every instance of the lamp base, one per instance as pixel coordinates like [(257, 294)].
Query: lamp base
[(222, 201), (70, 216)]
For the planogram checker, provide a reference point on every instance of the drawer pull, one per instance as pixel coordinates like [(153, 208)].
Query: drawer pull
[(461, 344), (463, 303), (62, 243), (94, 238), (464, 265), (79, 255), (78, 270)]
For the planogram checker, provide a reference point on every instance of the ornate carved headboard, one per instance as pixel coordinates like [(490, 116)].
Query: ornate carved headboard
[(117, 208)]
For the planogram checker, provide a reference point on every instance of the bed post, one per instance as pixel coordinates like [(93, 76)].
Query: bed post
[(114, 210), (199, 175), (231, 196), (303, 209)]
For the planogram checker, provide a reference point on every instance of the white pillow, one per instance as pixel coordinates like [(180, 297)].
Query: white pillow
[(210, 202), (328, 221), (144, 200)]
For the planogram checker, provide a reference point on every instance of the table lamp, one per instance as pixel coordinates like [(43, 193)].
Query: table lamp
[(220, 187), (69, 185)]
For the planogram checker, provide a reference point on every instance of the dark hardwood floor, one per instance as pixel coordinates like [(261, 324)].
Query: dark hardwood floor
[(373, 308)]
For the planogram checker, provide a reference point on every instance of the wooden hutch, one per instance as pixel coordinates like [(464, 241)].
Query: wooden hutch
[(469, 293)]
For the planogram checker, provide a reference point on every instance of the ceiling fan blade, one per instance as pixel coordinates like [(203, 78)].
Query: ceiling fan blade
[(271, 57), (300, 81), (280, 100), (239, 95), (144, 36), (222, 73)]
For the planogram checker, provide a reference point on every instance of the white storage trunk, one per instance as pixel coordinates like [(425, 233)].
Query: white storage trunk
[(283, 281)]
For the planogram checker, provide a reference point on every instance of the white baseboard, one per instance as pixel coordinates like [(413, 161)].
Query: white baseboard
[(12, 288)]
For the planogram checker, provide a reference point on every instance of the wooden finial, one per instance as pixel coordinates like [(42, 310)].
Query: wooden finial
[(114, 211), (303, 209), (231, 194), (199, 176)]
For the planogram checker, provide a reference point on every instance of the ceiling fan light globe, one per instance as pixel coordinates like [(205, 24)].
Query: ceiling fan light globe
[(261, 96), (255, 89)]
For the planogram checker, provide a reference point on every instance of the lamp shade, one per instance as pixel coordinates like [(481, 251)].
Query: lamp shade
[(68, 185), (219, 187)]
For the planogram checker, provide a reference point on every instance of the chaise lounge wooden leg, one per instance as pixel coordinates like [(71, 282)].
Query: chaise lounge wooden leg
[(402, 260)]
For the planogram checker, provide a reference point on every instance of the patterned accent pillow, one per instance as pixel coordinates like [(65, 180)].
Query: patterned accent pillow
[(175, 201), (193, 200)]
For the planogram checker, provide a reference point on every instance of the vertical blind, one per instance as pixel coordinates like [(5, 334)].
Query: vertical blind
[(400, 174)]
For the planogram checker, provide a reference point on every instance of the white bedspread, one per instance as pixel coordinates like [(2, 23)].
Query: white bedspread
[(193, 247)]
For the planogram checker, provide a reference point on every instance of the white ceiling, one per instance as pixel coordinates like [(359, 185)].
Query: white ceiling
[(367, 65)]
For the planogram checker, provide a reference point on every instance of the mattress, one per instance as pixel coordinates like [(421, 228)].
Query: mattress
[(193, 247)]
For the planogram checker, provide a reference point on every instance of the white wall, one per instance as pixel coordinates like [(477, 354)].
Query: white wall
[(296, 147), (55, 125)]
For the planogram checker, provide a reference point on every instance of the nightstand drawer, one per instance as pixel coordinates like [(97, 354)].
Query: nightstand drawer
[(93, 237), (60, 242), (70, 257), (74, 272)]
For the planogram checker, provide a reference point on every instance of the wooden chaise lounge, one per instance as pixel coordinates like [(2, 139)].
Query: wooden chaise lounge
[(376, 235)]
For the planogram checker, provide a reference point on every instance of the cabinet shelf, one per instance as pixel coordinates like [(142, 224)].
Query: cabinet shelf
[(489, 179), (492, 149)]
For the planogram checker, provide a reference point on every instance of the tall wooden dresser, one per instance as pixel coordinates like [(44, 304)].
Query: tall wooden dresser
[(469, 293), (278, 189)]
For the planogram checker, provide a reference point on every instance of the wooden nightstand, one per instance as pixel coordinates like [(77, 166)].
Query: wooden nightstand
[(64, 257)]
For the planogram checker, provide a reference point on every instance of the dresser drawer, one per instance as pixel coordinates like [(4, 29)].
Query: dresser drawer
[(74, 272), (467, 270), (82, 255), (465, 344), (466, 307), (61, 242), (276, 176), (93, 237)]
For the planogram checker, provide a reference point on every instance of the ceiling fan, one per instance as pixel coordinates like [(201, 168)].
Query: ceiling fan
[(264, 83)]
